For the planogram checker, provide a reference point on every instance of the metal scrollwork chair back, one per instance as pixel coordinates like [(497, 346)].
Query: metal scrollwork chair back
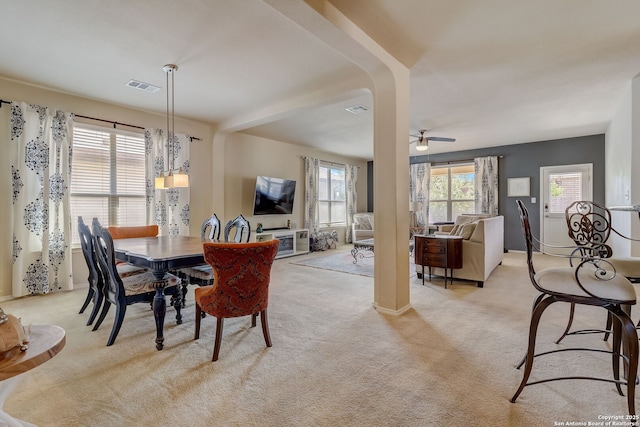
[(590, 283)]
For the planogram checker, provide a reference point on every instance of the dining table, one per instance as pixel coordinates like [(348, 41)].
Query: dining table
[(160, 255)]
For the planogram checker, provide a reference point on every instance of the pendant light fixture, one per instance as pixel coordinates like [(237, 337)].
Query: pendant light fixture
[(179, 178)]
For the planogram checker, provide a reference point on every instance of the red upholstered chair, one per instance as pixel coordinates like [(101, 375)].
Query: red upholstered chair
[(241, 273)]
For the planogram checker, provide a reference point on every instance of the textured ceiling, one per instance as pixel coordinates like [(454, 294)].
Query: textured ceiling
[(486, 73)]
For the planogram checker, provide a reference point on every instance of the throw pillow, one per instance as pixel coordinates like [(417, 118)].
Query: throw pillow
[(466, 230), (455, 229)]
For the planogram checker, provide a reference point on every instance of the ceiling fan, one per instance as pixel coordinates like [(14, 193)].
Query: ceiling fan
[(422, 141)]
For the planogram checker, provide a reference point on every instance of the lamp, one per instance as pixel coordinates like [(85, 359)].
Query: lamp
[(422, 144), (179, 178), (413, 208)]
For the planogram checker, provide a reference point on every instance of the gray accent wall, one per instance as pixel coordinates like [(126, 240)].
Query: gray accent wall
[(525, 160)]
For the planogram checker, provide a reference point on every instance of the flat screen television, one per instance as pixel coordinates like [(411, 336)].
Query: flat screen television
[(273, 196)]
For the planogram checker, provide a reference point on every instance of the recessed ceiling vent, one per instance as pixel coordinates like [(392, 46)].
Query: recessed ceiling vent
[(357, 109), (143, 86)]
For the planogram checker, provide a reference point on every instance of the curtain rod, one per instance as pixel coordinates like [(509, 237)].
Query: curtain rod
[(455, 162), (331, 163), (192, 138)]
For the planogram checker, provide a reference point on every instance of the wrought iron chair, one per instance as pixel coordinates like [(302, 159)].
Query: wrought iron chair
[(96, 284), (590, 283), (122, 292), (589, 226), (242, 228), (242, 274)]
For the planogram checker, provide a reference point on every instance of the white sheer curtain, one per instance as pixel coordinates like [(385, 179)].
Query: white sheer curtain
[(311, 178), (419, 176), (351, 179), (168, 208), (486, 183), (40, 152)]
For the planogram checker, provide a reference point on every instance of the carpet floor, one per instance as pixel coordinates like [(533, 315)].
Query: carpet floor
[(335, 361)]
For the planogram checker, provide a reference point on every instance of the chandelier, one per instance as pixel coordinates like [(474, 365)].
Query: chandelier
[(173, 178)]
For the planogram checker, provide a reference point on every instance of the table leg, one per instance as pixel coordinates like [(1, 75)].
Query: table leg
[(159, 311)]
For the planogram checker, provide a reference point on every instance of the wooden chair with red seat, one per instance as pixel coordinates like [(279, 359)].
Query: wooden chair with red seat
[(132, 232), (242, 273)]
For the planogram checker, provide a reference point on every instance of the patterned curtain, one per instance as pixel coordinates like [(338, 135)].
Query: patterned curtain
[(486, 183), (41, 146), (351, 179), (311, 178), (167, 208), (419, 176)]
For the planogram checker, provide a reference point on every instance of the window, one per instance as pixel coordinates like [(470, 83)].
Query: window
[(451, 192), (107, 177), (331, 195), (565, 188)]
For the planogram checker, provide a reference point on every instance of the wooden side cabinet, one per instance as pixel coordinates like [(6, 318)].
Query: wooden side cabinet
[(439, 251)]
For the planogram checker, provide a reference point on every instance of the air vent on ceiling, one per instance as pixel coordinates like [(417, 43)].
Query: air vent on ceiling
[(357, 109), (143, 86)]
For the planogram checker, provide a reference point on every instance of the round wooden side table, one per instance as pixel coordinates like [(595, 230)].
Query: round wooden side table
[(45, 341)]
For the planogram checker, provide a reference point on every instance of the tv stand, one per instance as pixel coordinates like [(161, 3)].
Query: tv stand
[(292, 242)]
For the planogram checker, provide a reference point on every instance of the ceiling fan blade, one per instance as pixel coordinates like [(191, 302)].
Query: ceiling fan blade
[(440, 139)]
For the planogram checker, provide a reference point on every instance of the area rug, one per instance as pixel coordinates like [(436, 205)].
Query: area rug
[(343, 262)]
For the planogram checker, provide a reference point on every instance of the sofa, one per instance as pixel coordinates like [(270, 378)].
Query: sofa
[(482, 247), (362, 226)]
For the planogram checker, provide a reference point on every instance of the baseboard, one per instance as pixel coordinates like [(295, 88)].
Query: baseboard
[(391, 312)]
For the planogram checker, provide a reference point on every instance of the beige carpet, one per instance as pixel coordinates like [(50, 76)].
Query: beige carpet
[(335, 361)]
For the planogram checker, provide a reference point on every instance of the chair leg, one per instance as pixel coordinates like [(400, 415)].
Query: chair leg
[(97, 303), (265, 327), (216, 347), (198, 317), (629, 336), (608, 326), (535, 304), (87, 300), (569, 323), (253, 319), (103, 313), (533, 331), (121, 309)]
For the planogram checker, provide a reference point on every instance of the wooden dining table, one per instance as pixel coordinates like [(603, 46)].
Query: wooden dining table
[(160, 254)]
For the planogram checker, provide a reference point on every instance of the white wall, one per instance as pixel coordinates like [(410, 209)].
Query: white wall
[(622, 153), (248, 156)]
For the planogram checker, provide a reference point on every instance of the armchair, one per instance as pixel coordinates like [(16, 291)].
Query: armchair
[(362, 226)]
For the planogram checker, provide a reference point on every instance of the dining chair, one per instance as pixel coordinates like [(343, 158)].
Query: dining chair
[(242, 273), (96, 284), (591, 282), (133, 232), (590, 226), (124, 291), (241, 227), (202, 274)]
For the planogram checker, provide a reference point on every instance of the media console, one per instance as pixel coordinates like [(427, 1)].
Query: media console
[(292, 242)]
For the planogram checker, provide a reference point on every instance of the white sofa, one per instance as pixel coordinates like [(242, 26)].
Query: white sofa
[(482, 250), (362, 226)]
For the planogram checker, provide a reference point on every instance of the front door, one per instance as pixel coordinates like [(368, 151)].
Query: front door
[(561, 185)]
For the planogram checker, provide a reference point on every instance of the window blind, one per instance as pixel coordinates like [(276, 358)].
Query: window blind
[(107, 177)]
